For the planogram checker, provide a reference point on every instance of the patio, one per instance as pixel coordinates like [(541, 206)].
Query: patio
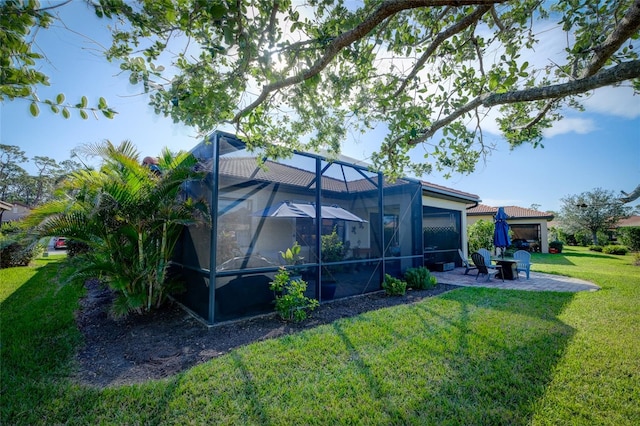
[(537, 282)]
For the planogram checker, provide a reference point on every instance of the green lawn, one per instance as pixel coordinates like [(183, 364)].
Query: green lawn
[(471, 356)]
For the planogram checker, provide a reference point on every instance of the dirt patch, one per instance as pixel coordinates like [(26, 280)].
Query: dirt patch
[(170, 340)]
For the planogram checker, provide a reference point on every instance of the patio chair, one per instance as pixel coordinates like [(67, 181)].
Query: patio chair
[(487, 258), (465, 262), (524, 262), (478, 260)]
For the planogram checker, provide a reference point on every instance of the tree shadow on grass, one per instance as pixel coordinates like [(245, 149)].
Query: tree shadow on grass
[(39, 338), (501, 363)]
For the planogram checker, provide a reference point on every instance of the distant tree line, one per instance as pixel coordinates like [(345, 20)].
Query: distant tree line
[(31, 189)]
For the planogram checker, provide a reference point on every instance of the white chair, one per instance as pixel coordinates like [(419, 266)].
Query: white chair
[(487, 258), (468, 267), (524, 261)]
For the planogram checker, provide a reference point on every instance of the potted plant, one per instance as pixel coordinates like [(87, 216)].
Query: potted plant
[(555, 246), (332, 250)]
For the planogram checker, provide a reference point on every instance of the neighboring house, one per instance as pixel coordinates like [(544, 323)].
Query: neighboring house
[(4, 207), (630, 221), (381, 227), (525, 224), (17, 211)]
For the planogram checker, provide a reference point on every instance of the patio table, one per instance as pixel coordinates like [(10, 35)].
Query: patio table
[(509, 267)]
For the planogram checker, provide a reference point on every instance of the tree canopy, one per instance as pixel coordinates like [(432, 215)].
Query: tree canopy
[(593, 211), (304, 76), (17, 185)]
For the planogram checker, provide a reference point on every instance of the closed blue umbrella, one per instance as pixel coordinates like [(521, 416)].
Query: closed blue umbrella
[(501, 232)]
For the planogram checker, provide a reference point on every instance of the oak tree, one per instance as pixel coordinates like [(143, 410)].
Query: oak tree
[(592, 211), (303, 76)]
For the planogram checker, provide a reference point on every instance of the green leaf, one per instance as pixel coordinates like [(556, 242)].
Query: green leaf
[(65, 112), (83, 114), (34, 109), (217, 11), (102, 103), (83, 102), (60, 98)]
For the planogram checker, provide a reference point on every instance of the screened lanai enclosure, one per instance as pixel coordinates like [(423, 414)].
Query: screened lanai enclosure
[(353, 226)]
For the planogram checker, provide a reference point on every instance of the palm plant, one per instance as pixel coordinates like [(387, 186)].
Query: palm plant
[(129, 217)]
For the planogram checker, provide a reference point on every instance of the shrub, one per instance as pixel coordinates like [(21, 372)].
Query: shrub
[(291, 303), (480, 235), (16, 249), (556, 245), (394, 286), (615, 249), (595, 248), (419, 278), (630, 237)]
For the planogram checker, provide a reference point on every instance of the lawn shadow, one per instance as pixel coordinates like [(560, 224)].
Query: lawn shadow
[(499, 366), (39, 339)]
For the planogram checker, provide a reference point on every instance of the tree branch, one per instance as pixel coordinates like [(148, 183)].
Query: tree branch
[(628, 26), (539, 116), (459, 26), (496, 19), (617, 74), (386, 9)]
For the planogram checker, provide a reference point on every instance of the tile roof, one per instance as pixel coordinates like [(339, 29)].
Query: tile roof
[(513, 212), (630, 221), (246, 168)]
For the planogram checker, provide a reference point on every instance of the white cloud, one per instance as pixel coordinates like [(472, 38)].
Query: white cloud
[(616, 101), (580, 126)]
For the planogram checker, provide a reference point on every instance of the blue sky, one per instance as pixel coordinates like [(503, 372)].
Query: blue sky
[(599, 148)]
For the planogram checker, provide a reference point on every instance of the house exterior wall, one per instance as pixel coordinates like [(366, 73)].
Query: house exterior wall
[(17, 212)]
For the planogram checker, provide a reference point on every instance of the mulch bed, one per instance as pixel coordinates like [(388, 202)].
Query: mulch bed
[(166, 342)]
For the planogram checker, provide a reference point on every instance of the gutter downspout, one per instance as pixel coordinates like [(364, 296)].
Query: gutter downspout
[(474, 205)]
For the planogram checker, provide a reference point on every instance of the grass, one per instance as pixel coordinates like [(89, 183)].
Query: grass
[(471, 356)]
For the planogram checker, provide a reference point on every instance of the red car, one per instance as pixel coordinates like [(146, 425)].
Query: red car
[(60, 244)]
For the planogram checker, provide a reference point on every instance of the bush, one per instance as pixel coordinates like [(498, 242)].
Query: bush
[(480, 235), (15, 248), (394, 286), (615, 249), (556, 245), (419, 278), (630, 237), (595, 248), (291, 303)]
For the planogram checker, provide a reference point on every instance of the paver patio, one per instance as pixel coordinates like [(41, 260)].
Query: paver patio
[(538, 281)]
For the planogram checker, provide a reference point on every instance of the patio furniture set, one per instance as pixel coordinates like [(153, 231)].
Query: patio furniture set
[(505, 267)]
